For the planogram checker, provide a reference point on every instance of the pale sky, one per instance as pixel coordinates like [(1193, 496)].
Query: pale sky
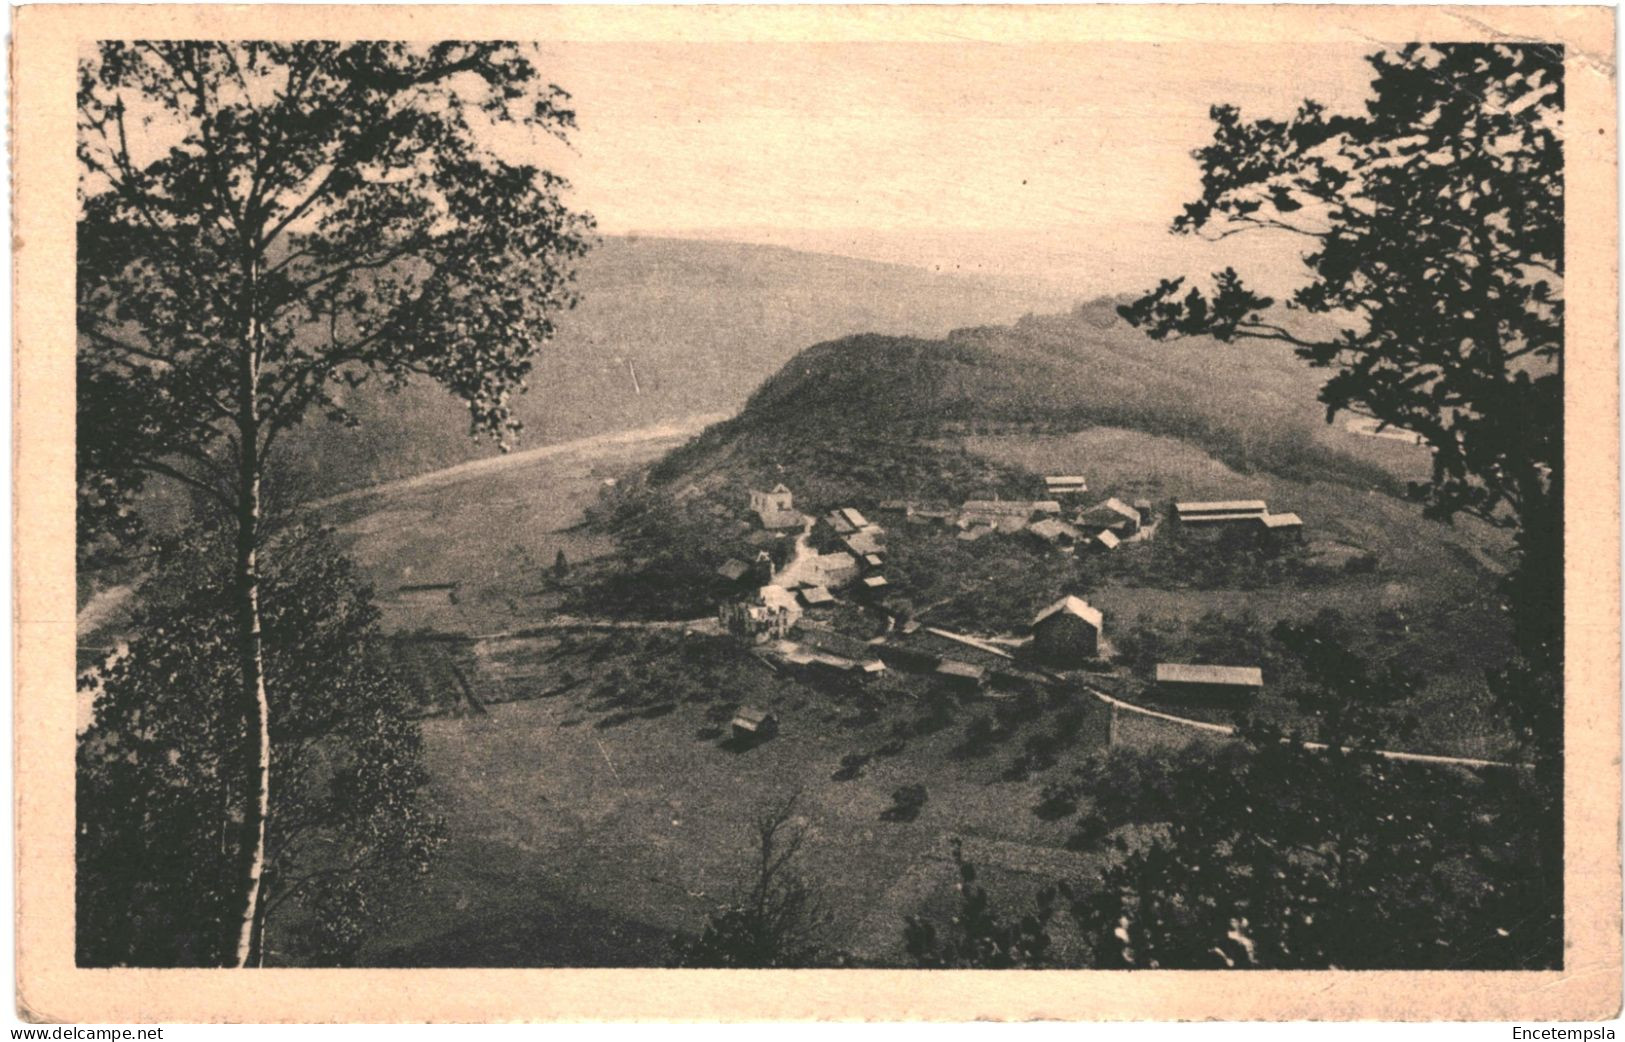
[(1061, 161)]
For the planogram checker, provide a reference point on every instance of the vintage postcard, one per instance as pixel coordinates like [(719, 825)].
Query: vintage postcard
[(724, 513)]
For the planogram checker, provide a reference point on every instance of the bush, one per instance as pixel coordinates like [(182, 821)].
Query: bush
[(906, 804)]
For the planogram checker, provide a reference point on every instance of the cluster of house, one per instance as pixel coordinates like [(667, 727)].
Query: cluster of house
[(844, 548), (850, 549), (1058, 522)]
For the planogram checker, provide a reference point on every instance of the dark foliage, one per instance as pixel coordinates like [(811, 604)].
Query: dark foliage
[(350, 827), (976, 937), (1436, 227), (906, 803), (1294, 858)]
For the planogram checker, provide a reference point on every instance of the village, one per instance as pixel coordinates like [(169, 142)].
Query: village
[(814, 610)]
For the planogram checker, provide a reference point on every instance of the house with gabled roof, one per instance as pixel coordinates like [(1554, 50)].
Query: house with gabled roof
[(1111, 515), (1055, 532), (1068, 632)]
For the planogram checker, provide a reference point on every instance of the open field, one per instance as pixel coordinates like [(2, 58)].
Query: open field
[(492, 527), (566, 820)]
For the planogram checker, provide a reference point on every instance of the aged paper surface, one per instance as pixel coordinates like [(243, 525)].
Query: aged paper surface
[(48, 42)]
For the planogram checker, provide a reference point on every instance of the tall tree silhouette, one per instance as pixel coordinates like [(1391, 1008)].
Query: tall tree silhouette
[(1435, 224), (265, 224)]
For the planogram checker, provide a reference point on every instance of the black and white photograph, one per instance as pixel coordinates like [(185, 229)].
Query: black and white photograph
[(792, 504)]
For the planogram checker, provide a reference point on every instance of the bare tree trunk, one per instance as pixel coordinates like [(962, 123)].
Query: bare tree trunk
[(256, 707)]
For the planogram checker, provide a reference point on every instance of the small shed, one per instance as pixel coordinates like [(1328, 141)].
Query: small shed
[(1283, 527), (961, 676), (874, 585), (750, 722), (1208, 683), (1068, 631), (1107, 540)]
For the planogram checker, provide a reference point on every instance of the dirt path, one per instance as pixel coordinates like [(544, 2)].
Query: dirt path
[(1117, 704), (790, 575), (676, 429), (704, 624)]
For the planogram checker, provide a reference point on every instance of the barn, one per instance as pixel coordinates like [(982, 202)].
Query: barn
[(1067, 632), (1208, 683)]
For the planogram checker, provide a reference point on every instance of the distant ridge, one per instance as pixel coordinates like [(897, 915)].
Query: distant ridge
[(666, 329)]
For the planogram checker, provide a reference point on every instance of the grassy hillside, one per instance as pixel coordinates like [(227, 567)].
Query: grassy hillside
[(666, 328)]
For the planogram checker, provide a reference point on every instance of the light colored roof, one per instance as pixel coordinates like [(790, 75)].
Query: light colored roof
[(780, 488), (1073, 606), (780, 518), (1202, 519), (1186, 673), (816, 595), (751, 716), (1223, 506), (1115, 506), (1064, 479), (875, 581), (1282, 521), (970, 535), (836, 520), (873, 560), (853, 518), (1053, 529), (733, 568), (1109, 540), (955, 668), (865, 542), (1004, 506)]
